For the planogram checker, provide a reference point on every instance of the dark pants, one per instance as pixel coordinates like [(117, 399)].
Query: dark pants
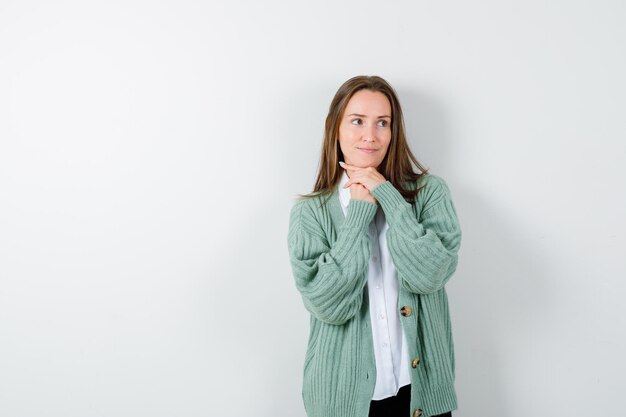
[(398, 406)]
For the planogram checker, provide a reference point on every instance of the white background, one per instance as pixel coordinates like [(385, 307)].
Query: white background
[(150, 152)]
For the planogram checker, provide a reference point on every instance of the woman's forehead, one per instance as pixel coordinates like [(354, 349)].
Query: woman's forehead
[(368, 103)]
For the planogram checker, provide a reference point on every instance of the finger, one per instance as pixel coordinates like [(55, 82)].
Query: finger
[(351, 183), (348, 166)]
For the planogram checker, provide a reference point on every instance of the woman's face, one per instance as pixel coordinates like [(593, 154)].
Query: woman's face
[(365, 129)]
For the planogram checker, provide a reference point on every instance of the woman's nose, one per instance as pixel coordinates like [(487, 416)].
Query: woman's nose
[(370, 133)]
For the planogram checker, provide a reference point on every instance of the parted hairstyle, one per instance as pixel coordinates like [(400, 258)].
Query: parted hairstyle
[(396, 166)]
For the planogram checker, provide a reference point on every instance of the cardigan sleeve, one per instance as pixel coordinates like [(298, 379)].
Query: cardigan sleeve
[(330, 278), (424, 253)]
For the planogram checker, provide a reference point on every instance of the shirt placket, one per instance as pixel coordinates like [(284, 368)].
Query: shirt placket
[(379, 318)]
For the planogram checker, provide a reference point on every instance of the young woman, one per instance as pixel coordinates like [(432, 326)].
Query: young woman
[(371, 249)]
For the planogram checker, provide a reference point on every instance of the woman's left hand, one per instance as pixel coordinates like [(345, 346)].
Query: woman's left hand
[(368, 177)]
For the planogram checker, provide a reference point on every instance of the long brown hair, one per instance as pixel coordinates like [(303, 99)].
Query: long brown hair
[(395, 167)]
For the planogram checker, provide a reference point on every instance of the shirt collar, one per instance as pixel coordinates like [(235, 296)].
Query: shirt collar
[(344, 193)]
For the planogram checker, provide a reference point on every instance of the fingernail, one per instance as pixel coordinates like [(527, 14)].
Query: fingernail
[(341, 162)]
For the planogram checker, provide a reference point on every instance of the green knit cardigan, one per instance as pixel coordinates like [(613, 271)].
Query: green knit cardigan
[(329, 255)]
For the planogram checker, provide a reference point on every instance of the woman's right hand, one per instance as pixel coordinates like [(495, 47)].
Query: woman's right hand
[(360, 192)]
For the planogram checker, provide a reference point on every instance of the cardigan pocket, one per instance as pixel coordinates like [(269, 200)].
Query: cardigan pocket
[(312, 345), (310, 366), (308, 358)]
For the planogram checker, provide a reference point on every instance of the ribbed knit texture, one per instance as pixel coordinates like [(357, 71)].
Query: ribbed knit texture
[(329, 255)]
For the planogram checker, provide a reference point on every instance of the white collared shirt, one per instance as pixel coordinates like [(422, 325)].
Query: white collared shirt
[(390, 345)]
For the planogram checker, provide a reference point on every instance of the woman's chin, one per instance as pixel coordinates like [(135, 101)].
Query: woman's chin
[(364, 164), (367, 165)]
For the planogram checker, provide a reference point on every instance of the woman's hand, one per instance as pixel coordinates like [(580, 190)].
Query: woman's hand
[(359, 192), (361, 181), (368, 177)]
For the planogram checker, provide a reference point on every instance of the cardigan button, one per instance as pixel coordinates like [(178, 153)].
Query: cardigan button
[(406, 311), (415, 362), (417, 413)]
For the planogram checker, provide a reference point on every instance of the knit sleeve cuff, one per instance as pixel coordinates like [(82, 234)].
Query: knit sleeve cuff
[(360, 213), (389, 197)]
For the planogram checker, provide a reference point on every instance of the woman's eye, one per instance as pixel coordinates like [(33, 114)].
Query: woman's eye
[(382, 123), (356, 122)]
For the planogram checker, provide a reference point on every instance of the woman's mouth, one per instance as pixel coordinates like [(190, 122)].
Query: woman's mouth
[(366, 150)]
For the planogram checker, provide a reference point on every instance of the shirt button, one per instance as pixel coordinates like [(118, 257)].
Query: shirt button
[(381, 316), (384, 345), (406, 311), (415, 362), (375, 258), (417, 412)]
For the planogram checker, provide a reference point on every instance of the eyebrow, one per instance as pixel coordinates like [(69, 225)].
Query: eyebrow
[(362, 115)]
